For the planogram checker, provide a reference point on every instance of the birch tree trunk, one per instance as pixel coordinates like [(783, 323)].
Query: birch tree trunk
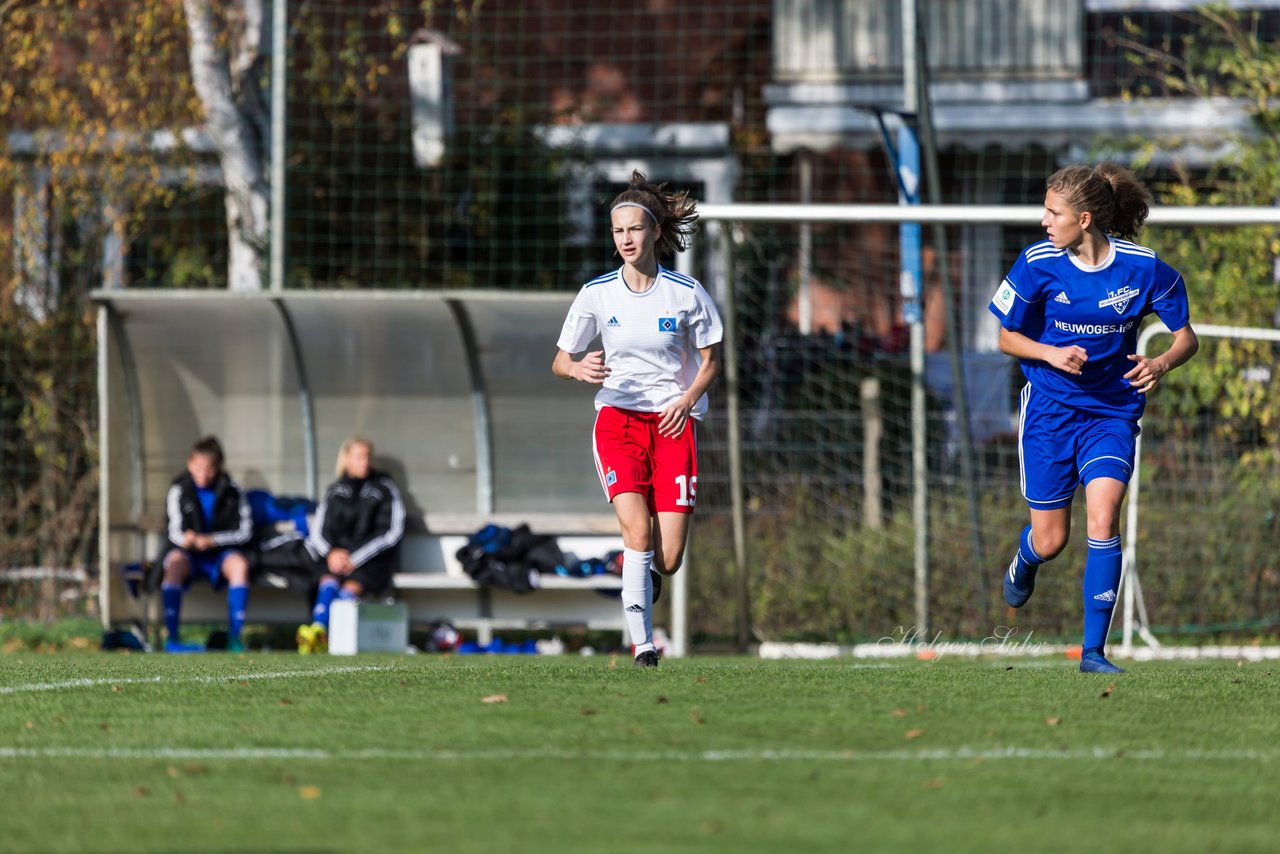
[(237, 118)]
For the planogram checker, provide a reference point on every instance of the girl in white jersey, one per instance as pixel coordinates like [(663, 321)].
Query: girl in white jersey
[(661, 335)]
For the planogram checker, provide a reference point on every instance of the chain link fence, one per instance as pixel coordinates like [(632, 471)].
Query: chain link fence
[(473, 144)]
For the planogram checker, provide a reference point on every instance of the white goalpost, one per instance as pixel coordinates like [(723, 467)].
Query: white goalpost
[(1135, 619)]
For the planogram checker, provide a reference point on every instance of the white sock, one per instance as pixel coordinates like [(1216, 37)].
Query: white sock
[(637, 597)]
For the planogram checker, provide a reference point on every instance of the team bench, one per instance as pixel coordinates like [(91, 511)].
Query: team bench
[(432, 583)]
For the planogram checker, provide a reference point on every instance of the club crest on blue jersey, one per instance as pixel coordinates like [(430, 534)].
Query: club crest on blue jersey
[(666, 324), (1119, 299)]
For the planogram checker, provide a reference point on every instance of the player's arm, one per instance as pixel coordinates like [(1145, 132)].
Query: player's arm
[(1019, 304), (318, 538), (675, 416), (388, 526), (591, 369), (1067, 359), (183, 539), (579, 329), (239, 535), (1148, 371)]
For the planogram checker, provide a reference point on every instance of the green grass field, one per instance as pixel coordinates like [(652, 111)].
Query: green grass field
[(282, 753)]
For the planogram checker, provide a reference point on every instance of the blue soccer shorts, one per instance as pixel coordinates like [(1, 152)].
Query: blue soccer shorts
[(208, 565), (1060, 448)]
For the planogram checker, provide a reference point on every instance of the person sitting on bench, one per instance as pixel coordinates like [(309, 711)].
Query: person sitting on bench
[(209, 519), (354, 540)]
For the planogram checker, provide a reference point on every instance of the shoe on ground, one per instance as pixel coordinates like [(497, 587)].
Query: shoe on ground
[(648, 658), (312, 638), (657, 584), (235, 645), (1018, 584), (1094, 662), (177, 647)]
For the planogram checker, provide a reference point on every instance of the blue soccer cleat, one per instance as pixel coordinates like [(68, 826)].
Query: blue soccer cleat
[(1019, 583), (1093, 662), (175, 646)]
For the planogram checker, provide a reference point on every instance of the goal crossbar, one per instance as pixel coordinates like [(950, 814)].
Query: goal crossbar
[(961, 214)]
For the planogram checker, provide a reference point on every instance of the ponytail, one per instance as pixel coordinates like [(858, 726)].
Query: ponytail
[(1118, 201), (674, 213)]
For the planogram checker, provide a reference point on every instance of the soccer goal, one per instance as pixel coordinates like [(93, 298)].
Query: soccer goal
[(1201, 471), (841, 461)]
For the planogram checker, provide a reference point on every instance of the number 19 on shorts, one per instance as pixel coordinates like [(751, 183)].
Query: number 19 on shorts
[(688, 487)]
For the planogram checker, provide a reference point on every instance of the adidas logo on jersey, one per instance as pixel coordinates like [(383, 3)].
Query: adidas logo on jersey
[(613, 323), (1062, 298), (1108, 596)]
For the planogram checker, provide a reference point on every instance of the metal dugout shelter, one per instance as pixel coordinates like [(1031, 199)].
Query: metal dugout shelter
[(454, 389)]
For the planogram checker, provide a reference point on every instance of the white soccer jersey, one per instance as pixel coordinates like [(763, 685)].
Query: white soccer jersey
[(651, 339)]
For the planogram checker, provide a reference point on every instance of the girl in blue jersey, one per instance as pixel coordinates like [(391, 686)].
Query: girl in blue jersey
[(1069, 310)]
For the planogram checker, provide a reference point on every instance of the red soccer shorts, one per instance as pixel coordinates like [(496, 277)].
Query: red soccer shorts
[(632, 457)]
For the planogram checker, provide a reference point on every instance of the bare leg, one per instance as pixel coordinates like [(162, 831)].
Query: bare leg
[(670, 533), (177, 569), (1050, 530), (634, 521), (1103, 496)]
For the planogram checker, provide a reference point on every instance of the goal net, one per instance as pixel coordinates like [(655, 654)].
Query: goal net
[(832, 494), (1203, 513)]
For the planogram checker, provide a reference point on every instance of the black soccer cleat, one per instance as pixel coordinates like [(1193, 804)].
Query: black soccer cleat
[(648, 658), (657, 584)]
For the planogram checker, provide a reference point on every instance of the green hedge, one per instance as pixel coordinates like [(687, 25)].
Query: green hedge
[(1206, 569)]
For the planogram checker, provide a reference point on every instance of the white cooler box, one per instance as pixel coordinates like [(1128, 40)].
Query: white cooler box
[(367, 627)]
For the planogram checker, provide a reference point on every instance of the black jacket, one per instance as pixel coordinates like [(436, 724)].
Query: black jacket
[(365, 517), (232, 522)]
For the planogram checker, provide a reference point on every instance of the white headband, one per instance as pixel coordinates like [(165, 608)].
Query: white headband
[(635, 205)]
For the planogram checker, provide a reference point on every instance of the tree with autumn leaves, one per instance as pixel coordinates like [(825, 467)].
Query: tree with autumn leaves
[(114, 117), (88, 93), (1230, 271)]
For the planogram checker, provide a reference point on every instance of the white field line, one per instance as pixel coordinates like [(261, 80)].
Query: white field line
[(204, 680), (1002, 647), (960, 754)]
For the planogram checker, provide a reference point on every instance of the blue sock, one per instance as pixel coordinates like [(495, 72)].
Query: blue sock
[(1101, 585), (324, 598), (1026, 553), (347, 596), (237, 600), (171, 597)]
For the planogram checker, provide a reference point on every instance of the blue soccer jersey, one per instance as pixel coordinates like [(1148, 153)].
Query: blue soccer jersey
[(1053, 297)]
